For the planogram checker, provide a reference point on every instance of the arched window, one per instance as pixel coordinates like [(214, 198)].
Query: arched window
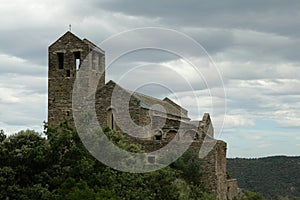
[(158, 135)]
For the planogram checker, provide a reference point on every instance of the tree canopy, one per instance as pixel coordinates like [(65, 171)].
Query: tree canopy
[(59, 167), (276, 177)]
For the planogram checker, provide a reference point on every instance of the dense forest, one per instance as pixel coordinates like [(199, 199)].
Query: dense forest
[(275, 177), (55, 165)]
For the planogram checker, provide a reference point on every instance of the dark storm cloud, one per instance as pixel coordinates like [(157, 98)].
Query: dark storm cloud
[(30, 45), (267, 16), (247, 30)]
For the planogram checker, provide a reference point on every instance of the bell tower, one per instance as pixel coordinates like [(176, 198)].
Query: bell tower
[(65, 57)]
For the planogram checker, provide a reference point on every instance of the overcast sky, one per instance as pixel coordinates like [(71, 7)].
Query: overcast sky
[(254, 44)]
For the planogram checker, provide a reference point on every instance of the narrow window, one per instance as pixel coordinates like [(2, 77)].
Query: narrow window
[(110, 119), (60, 58), (94, 60), (99, 64), (68, 73), (97, 61), (77, 60)]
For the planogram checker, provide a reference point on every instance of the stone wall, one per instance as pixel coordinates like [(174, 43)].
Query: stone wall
[(120, 111), (140, 117), (213, 168), (221, 147), (61, 76), (62, 72), (232, 189)]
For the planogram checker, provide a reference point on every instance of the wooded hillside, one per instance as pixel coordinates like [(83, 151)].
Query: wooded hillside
[(274, 177)]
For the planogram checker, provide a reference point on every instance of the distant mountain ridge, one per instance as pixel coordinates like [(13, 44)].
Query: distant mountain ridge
[(274, 177)]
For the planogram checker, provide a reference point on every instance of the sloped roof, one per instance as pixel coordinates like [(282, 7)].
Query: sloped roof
[(93, 45), (85, 41), (166, 99), (65, 35), (147, 102)]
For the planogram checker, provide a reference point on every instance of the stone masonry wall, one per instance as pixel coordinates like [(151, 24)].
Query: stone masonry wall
[(62, 73), (104, 104), (213, 168), (232, 189)]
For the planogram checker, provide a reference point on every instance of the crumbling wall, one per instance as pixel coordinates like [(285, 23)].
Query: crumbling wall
[(221, 169), (213, 170), (213, 165), (232, 189)]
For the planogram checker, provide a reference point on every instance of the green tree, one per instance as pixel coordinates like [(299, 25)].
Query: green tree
[(189, 165), (59, 167), (248, 195), (23, 157), (2, 136), (72, 190)]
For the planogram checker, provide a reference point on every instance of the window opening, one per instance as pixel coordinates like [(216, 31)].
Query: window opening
[(77, 60), (158, 137), (68, 73), (60, 58)]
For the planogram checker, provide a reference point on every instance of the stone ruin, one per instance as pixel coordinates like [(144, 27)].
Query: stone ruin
[(69, 53)]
